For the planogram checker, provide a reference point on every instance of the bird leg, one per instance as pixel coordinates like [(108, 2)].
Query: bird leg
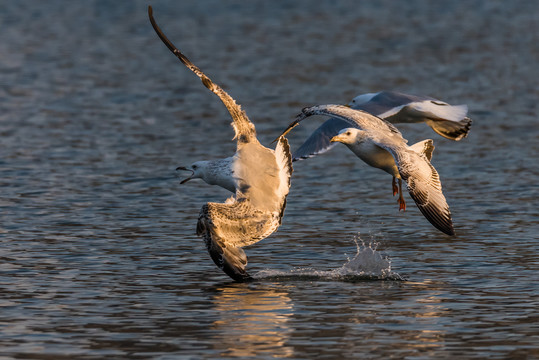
[(395, 189), (402, 203)]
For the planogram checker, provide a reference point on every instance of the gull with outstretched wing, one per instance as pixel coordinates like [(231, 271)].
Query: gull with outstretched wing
[(381, 145), (259, 177)]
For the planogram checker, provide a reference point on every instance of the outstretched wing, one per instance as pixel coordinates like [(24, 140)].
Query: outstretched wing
[(342, 117), (318, 142), (245, 130), (385, 103), (283, 159), (375, 104), (226, 228), (423, 184)]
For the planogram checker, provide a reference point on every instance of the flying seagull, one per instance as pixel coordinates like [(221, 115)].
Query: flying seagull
[(381, 145), (259, 176), (449, 121)]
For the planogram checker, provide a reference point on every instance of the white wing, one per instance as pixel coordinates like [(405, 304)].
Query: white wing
[(342, 117)]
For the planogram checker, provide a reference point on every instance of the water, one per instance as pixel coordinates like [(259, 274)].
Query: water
[(97, 246), (367, 264)]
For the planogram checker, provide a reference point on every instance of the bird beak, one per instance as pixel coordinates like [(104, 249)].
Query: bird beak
[(335, 139), (185, 169)]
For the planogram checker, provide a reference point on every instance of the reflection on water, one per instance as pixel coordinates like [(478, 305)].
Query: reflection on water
[(253, 321), (429, 334)]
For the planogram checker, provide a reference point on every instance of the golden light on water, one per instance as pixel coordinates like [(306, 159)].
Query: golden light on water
[(253, 322)]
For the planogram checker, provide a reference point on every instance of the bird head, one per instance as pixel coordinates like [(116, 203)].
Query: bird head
[(347, 136), (361, 99)]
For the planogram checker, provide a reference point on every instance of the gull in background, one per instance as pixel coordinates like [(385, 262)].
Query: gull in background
[(449, 121)]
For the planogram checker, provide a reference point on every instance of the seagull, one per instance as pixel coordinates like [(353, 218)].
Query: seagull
[(259, 177), (381, 145), (449, 121)]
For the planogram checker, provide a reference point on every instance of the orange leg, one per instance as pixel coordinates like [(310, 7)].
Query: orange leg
[(395, 189), (402, 203)]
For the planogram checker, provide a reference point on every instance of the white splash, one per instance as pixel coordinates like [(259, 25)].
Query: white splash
[(367, 264)]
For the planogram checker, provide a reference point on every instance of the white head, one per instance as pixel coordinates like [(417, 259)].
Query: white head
[(197, 169), (361, 99), (349, 136)]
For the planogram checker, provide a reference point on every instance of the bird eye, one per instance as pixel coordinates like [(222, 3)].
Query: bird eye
[(348, 133), (194, 167)]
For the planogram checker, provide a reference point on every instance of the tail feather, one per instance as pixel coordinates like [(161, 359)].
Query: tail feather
[(453, 130), (425, 147)]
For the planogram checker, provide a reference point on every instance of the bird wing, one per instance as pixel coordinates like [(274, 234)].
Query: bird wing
[(452, 130), (227, 227), (423, 183), (387, 103), (319, 141), (264, 174), (342, 117), (243, 127)]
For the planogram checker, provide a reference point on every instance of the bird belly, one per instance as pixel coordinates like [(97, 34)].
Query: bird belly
[(376, 157)]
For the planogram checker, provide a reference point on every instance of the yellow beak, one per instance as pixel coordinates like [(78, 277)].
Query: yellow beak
[(336, 138)]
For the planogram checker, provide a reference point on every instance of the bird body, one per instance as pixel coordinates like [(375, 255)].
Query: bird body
[(361, 144)]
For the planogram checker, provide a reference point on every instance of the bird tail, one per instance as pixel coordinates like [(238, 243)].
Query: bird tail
[(453, 130), (425, 147)]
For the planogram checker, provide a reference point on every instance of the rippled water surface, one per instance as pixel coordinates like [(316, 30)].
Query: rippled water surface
[(98, 256)]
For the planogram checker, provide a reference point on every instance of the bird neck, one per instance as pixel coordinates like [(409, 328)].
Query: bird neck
[(219, 172)]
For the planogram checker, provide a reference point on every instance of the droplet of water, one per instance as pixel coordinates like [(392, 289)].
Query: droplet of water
[(367, 264)]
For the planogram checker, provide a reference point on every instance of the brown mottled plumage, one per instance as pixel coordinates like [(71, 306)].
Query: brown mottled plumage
[(260, 177)]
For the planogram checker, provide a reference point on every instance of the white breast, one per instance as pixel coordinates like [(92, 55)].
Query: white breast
[(375, 156)]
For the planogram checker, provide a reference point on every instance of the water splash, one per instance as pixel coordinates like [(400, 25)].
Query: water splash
[(367, 264)]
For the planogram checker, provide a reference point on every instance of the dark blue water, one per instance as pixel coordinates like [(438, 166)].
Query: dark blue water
[(98, 256)]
